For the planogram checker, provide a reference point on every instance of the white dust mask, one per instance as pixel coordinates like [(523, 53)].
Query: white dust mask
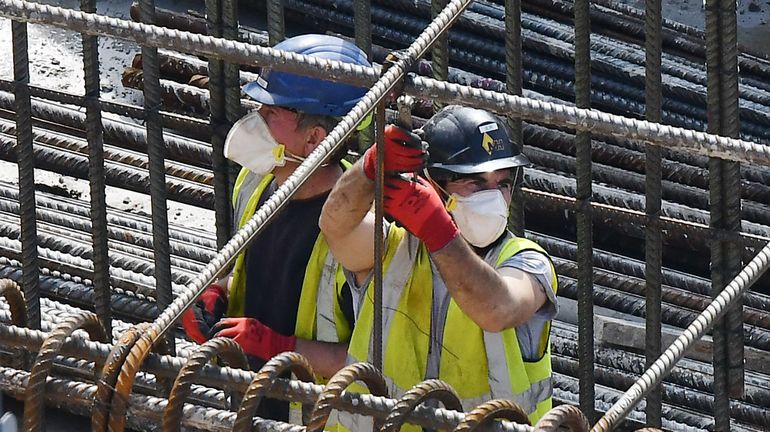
[(251, 145), (481, 216)]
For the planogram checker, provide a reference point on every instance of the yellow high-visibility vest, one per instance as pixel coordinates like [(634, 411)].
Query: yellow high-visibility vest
[(479, 365), (319, 314)]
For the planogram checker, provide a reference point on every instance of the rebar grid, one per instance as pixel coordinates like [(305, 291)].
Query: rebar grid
[(544, 112), (663, 365)]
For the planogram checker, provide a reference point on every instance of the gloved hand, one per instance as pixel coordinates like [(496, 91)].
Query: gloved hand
[(419, 208), (405, 152), (207, 311), (256, 339)]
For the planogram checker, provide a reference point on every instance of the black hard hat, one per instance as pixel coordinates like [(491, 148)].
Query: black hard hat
[(470, 141)]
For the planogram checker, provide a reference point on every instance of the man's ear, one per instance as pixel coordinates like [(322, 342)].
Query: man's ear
[(313, 137)]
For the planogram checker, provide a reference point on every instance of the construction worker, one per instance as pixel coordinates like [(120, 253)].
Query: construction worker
[(464, 300), (282, 293)]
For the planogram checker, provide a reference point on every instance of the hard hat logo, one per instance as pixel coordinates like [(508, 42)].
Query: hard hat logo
[(486, 143)]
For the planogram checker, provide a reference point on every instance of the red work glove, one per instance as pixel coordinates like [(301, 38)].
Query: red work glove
[(207, 311), (419, 208), (256, 339), (404, 152)]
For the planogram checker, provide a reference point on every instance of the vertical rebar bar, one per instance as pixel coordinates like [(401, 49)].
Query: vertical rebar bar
[(440, 51), (653, 196), (231, 82), (717, 217), (30, 282), (276, 27), (583, 207), (232, 70), (96, 178), (218, 125), (379, 241), (156, 158), (731, 200), (362, 23), (513, 86)]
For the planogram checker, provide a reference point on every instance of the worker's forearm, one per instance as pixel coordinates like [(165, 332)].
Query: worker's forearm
[(325, 357), (348, 203), (475, 286)]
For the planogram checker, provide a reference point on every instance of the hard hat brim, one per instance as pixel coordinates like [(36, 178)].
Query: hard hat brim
[(488, 166)]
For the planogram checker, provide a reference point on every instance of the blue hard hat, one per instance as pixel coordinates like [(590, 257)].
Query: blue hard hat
[(307, 94)]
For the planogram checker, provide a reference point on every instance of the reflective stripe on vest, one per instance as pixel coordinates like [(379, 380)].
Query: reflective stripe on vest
[(504, 374)]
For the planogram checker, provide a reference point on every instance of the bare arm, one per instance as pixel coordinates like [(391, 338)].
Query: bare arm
[(346, 221), (325, 357), (494, 299)]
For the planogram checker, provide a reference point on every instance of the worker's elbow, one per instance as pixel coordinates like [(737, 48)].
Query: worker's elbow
[(496, 322), (327, 224)]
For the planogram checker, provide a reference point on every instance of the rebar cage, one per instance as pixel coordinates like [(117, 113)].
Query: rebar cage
[(672, 157)]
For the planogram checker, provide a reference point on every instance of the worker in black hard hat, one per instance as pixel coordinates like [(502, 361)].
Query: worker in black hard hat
[(464, 300)]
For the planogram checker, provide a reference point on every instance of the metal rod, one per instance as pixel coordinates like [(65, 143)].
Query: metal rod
[(26, 162), (653, 196), (695, 331), (101, 275), (527, 109)]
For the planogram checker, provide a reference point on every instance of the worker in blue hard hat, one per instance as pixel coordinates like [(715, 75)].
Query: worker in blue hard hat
[(282, 294), (464, 300)]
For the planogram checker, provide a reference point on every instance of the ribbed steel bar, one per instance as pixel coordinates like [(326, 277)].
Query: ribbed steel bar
[(618, 76), (74, 290), (130, 243), (583, 206), (34, 399), (123, 226), (121, 134), (362, 29), (26, 164), (653, 196), (194, 24), (238, 380), (687, 374), (731, 201), (440, 52), (545, 112), (633, 268), (156, 156), (362, 18), (111, 153), (97, 187), (233, 103), (719, 267), (218, 122), (82, 253), (513, 85), (379, 238), (144, 411), (672, 295), (276, 27), (76, 165), (193, 127), (675, 395), (694, 331)]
